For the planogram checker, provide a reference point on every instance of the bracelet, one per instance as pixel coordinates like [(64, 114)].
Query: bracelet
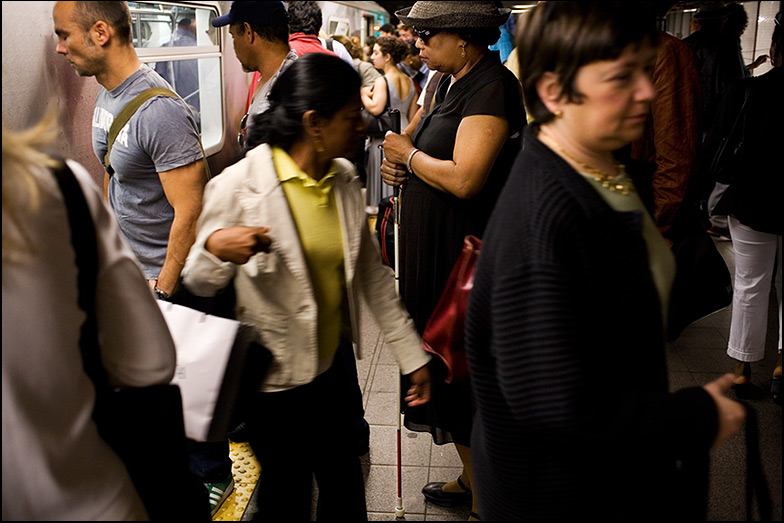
[(410, 156)]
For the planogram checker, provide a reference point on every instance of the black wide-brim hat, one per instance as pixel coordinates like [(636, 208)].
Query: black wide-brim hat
[(453, 15)]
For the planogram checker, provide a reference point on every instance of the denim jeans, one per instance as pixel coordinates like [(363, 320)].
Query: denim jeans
[(210, 461)]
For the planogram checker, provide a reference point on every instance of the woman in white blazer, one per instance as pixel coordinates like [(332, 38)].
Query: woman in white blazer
[(287, 223)]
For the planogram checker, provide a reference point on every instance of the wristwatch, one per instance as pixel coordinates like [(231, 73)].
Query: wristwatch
[(161, 295)]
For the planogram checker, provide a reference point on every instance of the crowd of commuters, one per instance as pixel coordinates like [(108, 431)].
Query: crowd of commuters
[(574, 173)]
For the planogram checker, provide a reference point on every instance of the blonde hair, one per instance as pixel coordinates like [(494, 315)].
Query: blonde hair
[(21, 155)]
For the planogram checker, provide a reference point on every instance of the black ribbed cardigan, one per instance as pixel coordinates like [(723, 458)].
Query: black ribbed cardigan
[(566, 350)]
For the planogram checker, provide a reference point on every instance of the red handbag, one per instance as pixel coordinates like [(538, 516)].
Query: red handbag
[(444, 333)]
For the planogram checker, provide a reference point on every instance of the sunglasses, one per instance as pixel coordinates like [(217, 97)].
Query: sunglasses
[(426, 34)]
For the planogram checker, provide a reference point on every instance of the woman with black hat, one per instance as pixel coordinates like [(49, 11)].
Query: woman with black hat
[(452, 168)]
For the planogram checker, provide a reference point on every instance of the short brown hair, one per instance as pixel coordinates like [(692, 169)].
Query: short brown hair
[(116, 14), (562, 37)]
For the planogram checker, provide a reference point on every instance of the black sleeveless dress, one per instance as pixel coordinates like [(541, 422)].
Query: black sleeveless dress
[(433, 224)]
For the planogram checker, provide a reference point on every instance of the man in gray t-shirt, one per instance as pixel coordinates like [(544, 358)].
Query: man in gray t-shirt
[(160, 137), (159, 172)]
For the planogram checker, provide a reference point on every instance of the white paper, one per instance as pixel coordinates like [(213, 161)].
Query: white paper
[(203, 345)]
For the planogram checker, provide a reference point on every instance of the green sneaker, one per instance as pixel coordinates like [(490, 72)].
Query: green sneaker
[(218, 493)]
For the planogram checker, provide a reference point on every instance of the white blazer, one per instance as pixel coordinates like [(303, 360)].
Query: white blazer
[(274, 291)]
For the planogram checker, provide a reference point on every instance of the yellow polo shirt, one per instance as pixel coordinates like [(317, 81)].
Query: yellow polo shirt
[(314, 207)]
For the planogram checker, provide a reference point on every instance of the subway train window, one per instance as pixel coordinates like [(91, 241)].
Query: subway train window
[(163, 25), (182, 46), (338, 25)]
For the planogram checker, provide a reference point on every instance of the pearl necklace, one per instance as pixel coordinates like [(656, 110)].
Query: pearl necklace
[(619, 183)]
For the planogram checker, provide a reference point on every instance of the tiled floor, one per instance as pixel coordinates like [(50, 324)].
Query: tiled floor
[(696, 358), (421, 460)]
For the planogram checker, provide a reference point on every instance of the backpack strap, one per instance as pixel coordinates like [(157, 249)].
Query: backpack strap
[(328, 42), (127, 112)]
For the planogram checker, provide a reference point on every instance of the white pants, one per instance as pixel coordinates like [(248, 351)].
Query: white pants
[(757, 258)]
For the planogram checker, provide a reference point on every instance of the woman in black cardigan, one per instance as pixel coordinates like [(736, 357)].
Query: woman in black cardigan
[(565, 326)]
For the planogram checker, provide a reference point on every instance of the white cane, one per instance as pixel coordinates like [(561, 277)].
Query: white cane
[(400, 512)]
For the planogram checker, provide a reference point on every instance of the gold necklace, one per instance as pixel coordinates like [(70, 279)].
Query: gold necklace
[(619, 183)]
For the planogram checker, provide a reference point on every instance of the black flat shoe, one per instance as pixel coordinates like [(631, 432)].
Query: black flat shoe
[(434, 493)]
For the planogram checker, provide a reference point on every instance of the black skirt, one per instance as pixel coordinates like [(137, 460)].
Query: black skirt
[(432, 228)]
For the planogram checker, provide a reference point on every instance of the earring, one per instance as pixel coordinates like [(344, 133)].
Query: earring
[(319, 145), (558, 113), (462, 47)]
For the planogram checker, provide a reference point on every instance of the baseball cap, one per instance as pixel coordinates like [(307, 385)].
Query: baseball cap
[(261, 13)]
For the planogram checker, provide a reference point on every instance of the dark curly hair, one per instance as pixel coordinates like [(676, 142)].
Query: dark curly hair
[(736, 19), (304, 17), (394, 47)]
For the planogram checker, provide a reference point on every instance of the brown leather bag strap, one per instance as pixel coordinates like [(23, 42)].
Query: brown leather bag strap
[(430, 92)]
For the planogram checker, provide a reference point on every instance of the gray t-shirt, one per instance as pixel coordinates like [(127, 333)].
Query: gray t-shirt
[(162, 135)]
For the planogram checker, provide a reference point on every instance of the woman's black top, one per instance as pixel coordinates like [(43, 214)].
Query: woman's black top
[(434, 223), (754, 174)]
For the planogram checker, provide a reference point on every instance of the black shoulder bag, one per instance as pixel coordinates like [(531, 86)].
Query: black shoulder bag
[(143, 425), (724, 157), (728, 160), (377, 126)]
